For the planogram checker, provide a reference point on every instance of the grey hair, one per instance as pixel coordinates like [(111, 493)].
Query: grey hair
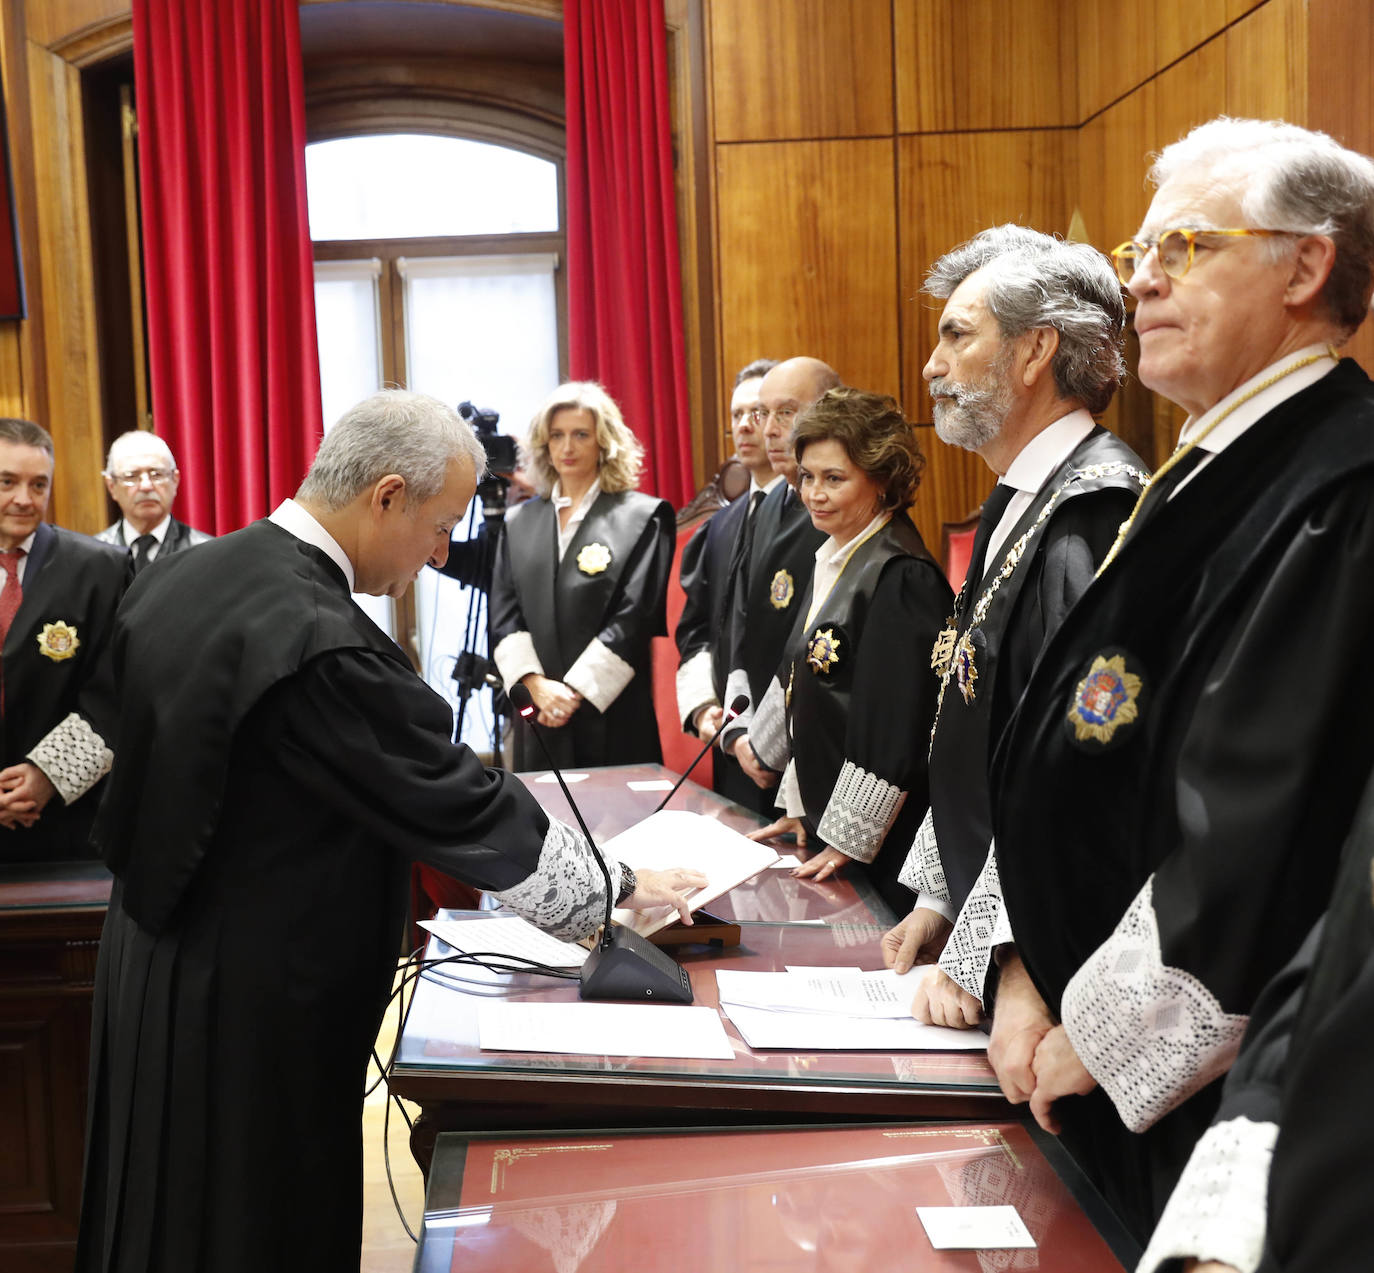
[(755, 370), (25, 433), (141, 437), (1035, 280), (394, 431), (1292, 178)]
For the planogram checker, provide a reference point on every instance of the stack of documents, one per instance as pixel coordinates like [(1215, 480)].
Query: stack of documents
[(840, 1009)]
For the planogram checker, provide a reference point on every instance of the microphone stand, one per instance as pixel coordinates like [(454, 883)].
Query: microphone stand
[(741, 701), (622, 965)]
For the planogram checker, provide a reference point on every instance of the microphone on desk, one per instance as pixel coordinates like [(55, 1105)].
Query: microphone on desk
[(739, 703), (622, 965)]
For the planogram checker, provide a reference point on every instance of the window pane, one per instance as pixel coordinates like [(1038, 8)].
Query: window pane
[(408, 185), (484, 330)]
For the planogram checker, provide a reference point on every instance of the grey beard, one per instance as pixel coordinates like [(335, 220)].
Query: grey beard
[(975, 415)]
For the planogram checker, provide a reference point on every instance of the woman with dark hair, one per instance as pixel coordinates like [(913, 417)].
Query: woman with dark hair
[(848, 717), (578, 588)]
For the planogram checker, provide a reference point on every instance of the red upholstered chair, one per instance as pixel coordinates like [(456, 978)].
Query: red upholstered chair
[(956, 547)]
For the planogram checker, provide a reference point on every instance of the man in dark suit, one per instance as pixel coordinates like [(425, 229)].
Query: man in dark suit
[(713, 563), (57, 604), (142, 478)]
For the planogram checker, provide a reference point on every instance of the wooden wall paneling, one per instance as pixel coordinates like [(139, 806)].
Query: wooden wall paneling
[(12, 401), (67, 294), (801, 68), (954, 484), (951, 186), (1116, 51), (1183, 25), (1340, 96), (1239, 8), (53, 21), (1189, 93), (1266, 62), (808, 257), (982, 64)]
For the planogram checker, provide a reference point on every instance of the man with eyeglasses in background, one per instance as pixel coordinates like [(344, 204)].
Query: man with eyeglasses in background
[(1185, 763), (142, 478), (776, 580)]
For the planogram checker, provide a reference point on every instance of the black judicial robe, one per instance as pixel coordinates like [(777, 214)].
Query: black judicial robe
[(860, 698), (179, 537), (775, 590), (1304, 1070), (1174, 787), (1088, 498), (278, 766), (565, 605), (70, 581), (708, 580)]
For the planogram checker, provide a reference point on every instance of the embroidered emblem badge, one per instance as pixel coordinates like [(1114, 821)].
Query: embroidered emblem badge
[(781, 590), (593, 559), (965, 668), (824, 651), (58, 641), (1105, 700), (943, 650)]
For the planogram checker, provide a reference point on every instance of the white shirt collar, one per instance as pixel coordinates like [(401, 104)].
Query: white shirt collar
[(561, 501), (1252, 409), (292, 517), (158, 532), (1037, 461), (766, 487), (832, 554)]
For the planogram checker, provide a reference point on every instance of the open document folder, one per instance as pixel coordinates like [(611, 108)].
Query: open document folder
[(672, 838), (839, 1009)]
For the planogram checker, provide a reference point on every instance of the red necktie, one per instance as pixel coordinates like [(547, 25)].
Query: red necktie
[(11, 595)]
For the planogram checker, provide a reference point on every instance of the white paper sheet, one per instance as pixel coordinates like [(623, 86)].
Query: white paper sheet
[(818, 1032), (509, 935), (974, 1228), (604, 1029), (786, 862), (651, 784), (837, 991)]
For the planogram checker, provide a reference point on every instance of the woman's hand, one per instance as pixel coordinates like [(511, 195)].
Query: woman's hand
[(822, 866), (654, 889), (556, 702), (783, 826)]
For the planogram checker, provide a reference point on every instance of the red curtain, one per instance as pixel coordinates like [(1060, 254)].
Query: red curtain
[(624, 284), (230, 276)]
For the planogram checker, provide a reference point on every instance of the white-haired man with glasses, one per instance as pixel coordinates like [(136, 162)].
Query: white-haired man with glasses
[(1178, 779), (142, 477)]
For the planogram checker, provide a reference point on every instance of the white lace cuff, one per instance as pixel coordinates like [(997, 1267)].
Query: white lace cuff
[(768, 731), (737, 683), (977, 932), (1151, 1035), (695, 689), (599, 674), (565, 894), (515, 657), (73, 757), (860, 810), (1219, 1207), (789, 793), (923, 872)]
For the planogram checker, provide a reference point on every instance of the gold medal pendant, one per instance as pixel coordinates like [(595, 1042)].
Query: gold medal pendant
[(593, 559), (943, 649), (781, 590), (58, 641), (965, 667), (823, 652)]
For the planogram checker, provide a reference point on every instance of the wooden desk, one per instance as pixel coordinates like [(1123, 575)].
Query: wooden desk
[(459, 1087), (757, 1200), (51, 915), (610, 806)]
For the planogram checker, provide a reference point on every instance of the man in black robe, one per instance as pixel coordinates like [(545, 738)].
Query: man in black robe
[(713, 561), (279, 765), (142, 478), (1189, 752), (58, 594), (775, 584), (1029, 352), (1280, 1181)]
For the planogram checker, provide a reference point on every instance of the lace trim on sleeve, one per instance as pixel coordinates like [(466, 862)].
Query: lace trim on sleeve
[(768, 731), (1218, 1209), (600, 675), (861, 809), (73, 756), (694, 687), (565, 894), (1151, 1035), (977, 932), (737, 683), (923, 872)]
